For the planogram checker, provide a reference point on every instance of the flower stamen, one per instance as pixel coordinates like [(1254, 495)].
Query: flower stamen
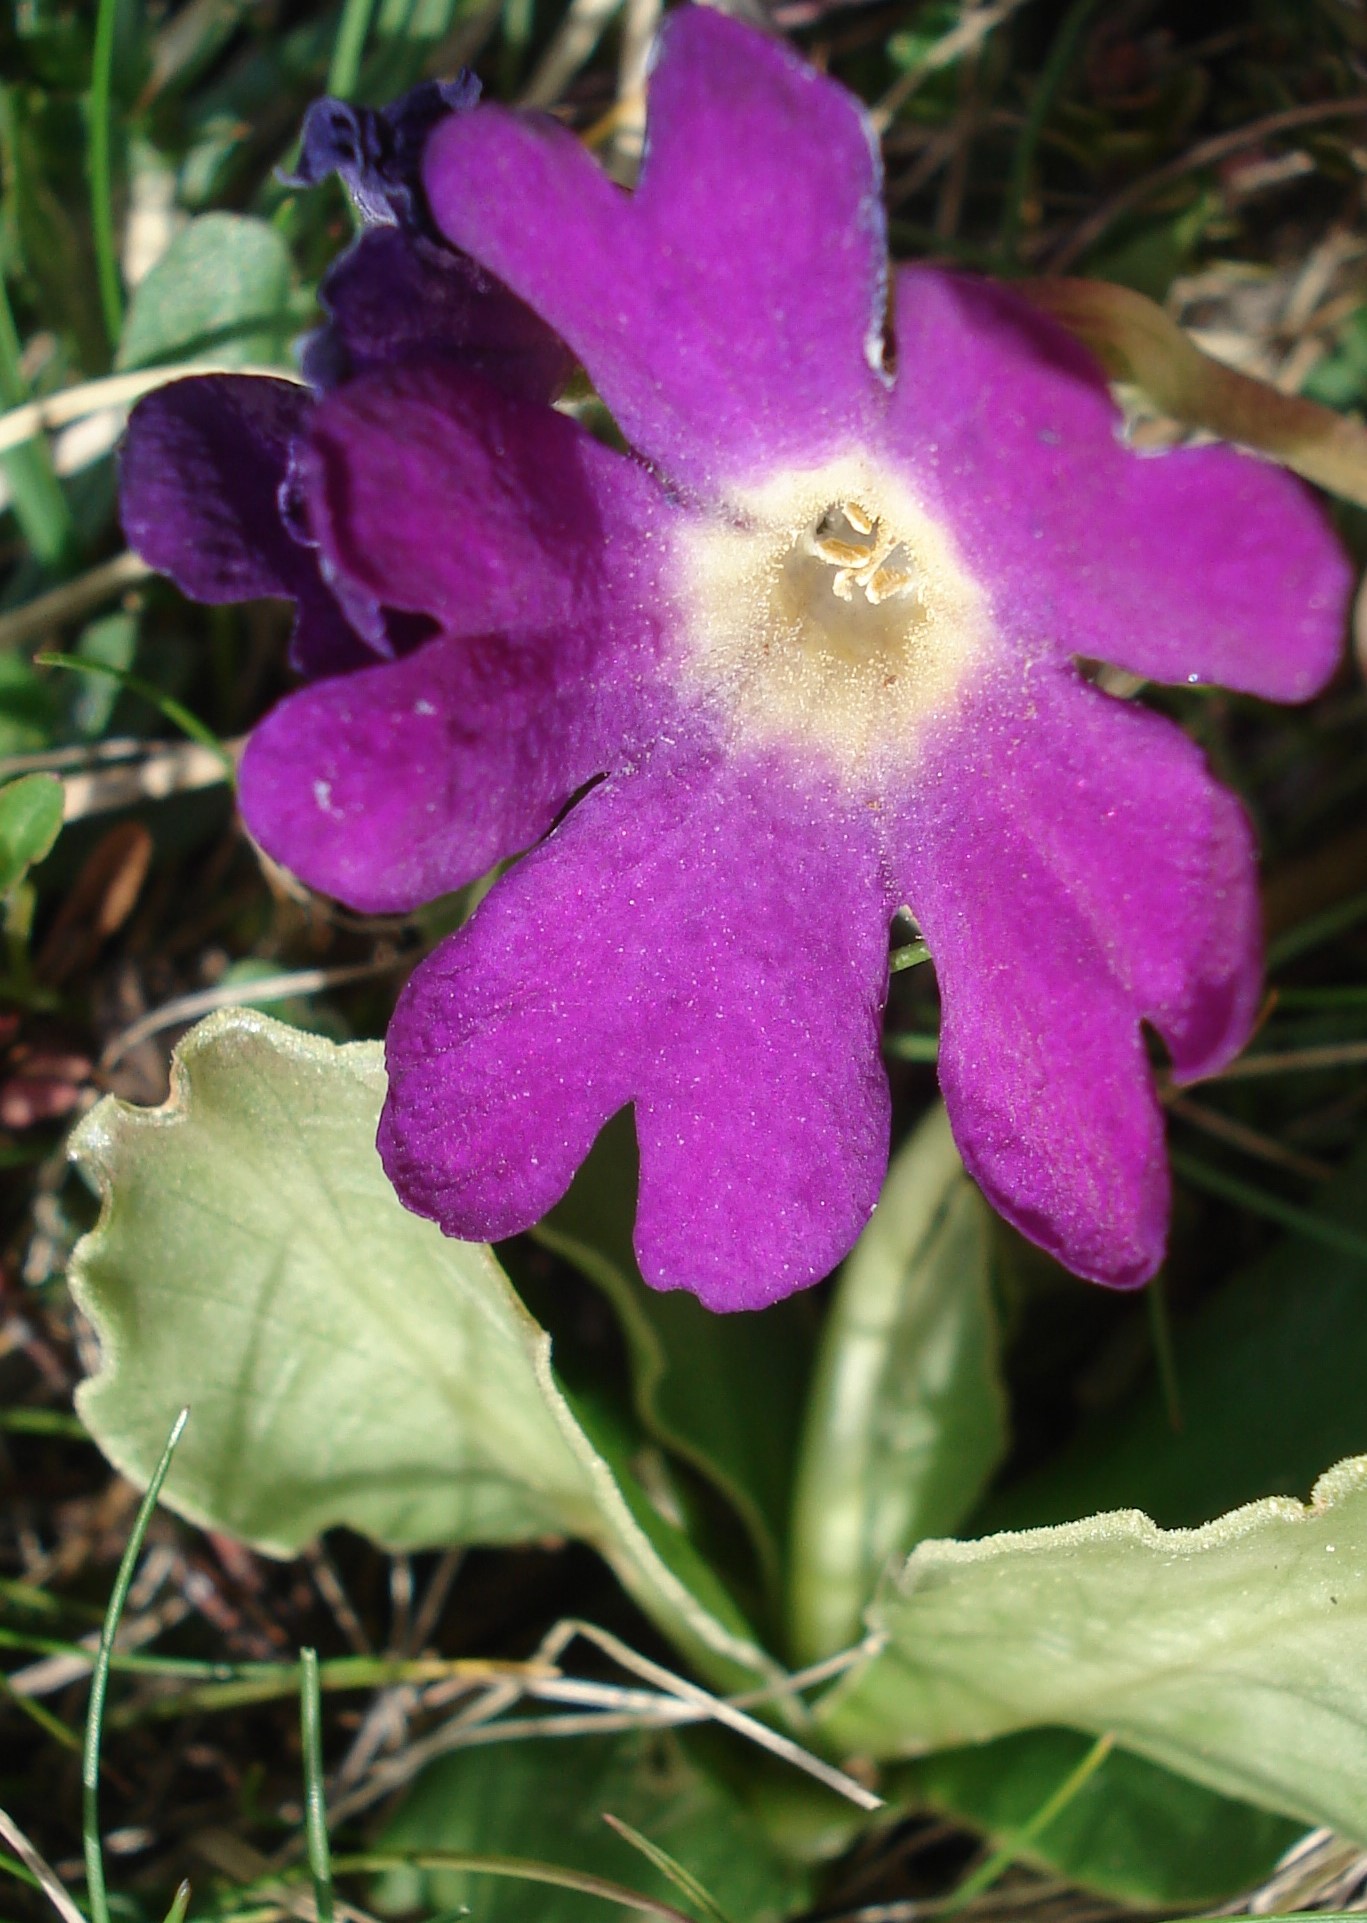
[(861, 562)]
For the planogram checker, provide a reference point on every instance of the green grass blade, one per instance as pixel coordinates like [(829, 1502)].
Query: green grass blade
[(911, 1047), (345, 70), (1001, 1859), (40, 1714), (96, 1892), (521, 1870), (101, 168), (910, 955), (1319, 1228), (174, 711), (40, 507), (683, 1880), (180, 1903), (1061, 56), (315, 1805)]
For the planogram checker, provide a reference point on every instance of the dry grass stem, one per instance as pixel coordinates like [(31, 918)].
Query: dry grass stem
[(72, 600), (1263, 1148), (115, 391), (973, 28), (272, 988), (38, 1868), (1205, 153)]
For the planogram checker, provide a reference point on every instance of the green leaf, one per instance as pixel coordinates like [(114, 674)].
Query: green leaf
[(723, 1392), (1271, 1369), (343, 1361), (220, 292), (1133, 1832), (908, 1415), (547, 1799), (1231, 1653), (109, 643), (30, 821)]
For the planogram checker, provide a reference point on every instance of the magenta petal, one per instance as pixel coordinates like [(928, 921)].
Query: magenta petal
[(388, 787), (708, 941), (434, 492), (1076, 871), (1045, 1078), (1196, 565), (730, 312)]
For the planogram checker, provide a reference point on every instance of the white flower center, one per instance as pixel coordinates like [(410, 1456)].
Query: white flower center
[(830, 611)]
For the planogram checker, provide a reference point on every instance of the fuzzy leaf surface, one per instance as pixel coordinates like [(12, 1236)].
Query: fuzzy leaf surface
[(1230, 1653), (344, 1362)]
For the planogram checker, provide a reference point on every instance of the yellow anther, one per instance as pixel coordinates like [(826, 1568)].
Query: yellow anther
[(888, 582), (840, 554)]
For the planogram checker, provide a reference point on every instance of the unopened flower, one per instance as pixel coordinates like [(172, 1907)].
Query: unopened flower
[(801, 659), (209, 491)]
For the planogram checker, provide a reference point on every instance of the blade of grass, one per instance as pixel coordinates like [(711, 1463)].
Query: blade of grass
[(1313, 933), (96, 1893), (43, 1422), (11, 1866), (26, 418), (27, 1595), (910, 955), (912, 1047), (1160, 1331), (1001, 1859), (174, 711), (1318, 999), (682, 1879), (40, 507), (1042, 95), (101, 168), (962, 40), (1295, 1061), (1318, 1228), (51, 1725), (71, 600), (271, 1679), (521, 1869), (315, 1804), (180, 1903), (1202, 153), (345, 70)]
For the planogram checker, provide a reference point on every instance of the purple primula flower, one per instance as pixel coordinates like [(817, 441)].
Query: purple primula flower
[(209, 484), (809, 654)]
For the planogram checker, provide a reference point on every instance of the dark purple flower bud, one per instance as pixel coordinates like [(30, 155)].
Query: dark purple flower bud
[(395, 296), (210, 482), (377, 152)]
